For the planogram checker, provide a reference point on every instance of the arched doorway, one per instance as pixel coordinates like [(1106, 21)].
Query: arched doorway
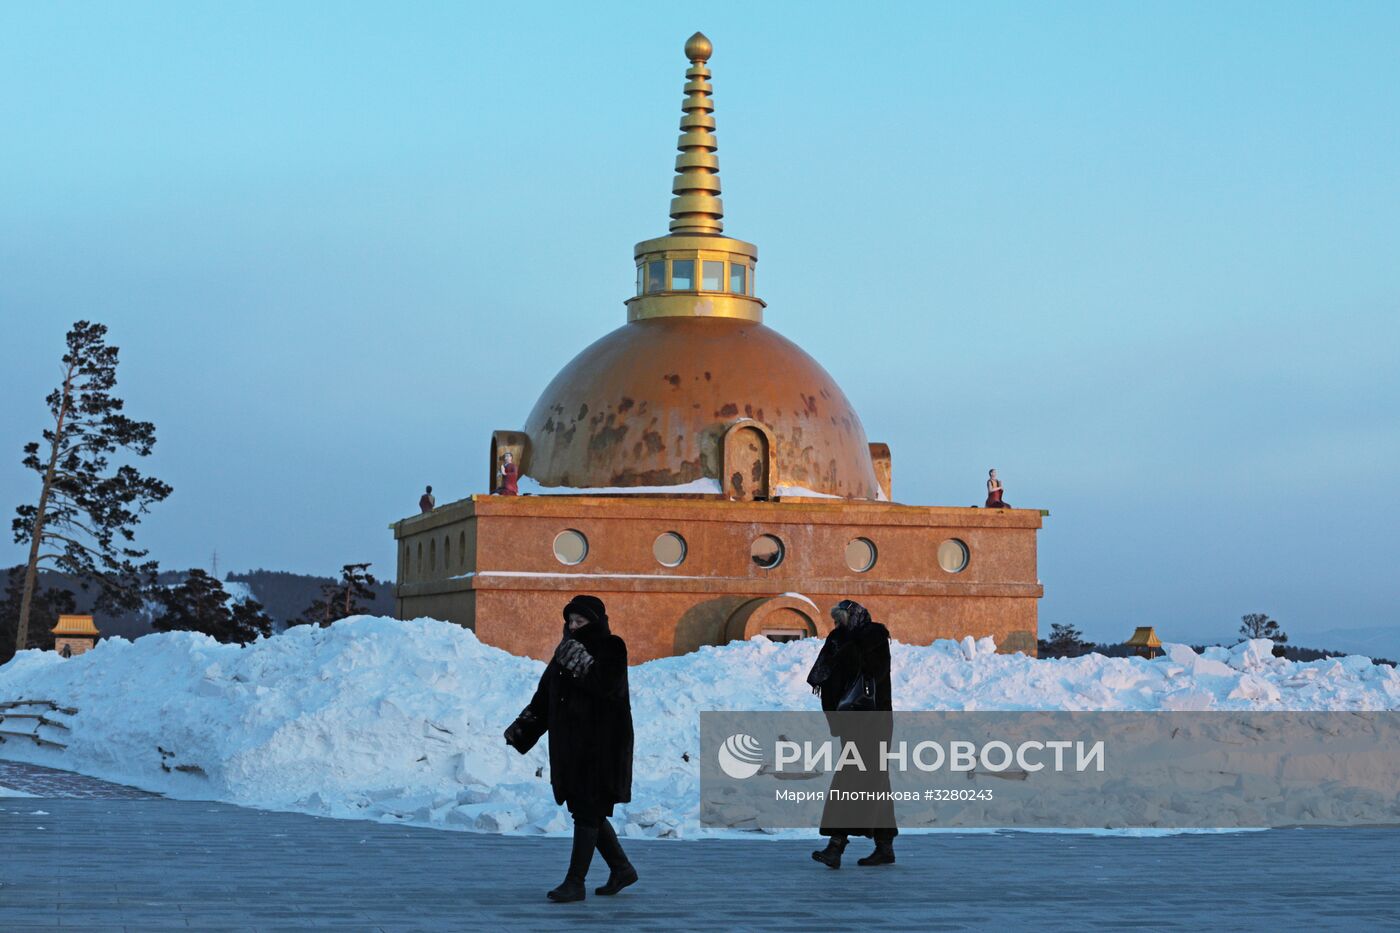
[(779, 618), (747, 461)]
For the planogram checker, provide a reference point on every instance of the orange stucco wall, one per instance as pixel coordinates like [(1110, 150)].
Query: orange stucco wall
[(488, 563)]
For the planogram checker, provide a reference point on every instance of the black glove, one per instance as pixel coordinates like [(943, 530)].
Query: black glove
[(513, 734), (516, 733), (573, 657)]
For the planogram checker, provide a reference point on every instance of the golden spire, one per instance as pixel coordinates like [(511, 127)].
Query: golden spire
[(695, 270), (696, 208)]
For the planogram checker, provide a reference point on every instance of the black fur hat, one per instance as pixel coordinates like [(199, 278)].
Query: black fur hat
[(856, 614), (590, 607)]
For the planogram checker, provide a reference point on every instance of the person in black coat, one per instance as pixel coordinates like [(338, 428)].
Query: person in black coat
[(852, 675), (583, 703)]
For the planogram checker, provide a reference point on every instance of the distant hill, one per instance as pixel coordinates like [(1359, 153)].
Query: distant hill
[(283, 595), (1369, 640)]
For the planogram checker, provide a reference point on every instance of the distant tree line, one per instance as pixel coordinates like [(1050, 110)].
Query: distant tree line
[(287, 596), (46, 605), (342, 598), (1067, 641), (201, 604), (194, 600)]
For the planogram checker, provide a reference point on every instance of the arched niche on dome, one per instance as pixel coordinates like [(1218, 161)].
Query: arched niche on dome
[(517, 444), (749, 468)]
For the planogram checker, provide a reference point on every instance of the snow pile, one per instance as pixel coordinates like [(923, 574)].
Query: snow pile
[(402, 721), (705, 485)]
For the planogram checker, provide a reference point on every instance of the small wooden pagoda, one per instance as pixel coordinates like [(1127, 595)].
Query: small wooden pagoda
[(1145, 642), (74, 635)]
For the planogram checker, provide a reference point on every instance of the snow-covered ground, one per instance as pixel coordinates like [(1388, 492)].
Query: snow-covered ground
[(383, 719)]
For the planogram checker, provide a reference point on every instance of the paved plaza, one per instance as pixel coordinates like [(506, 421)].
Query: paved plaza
[(92, 856)]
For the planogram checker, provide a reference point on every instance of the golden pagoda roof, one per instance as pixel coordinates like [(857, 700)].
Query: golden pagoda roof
[(75, 625), (1145, 637)]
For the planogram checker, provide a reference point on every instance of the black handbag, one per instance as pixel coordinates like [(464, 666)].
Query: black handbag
[(859, 696)]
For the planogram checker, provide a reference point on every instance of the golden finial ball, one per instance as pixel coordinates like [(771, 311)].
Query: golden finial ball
[(698, 48)]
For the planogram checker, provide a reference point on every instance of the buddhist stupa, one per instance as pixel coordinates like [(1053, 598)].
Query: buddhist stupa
[(706, 477)]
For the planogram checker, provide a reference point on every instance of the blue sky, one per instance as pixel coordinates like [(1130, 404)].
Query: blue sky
[(1141, 258)]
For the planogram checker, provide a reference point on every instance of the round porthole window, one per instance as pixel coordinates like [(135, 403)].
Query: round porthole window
[(668, 549), (952, 555), (860, 554), (766, 551), (570, 547)]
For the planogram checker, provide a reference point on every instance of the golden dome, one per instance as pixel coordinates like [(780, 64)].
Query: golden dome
[(652, 403), (648, 405)]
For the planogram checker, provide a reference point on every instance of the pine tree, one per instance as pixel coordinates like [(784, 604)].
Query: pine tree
[(44, 611), (1259, 625), (342, 598), (201, 604), (1065, 641), (84, 521), (247, 621)]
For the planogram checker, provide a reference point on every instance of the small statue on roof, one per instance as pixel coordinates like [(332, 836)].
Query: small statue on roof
[(509, 476), (994, 491)]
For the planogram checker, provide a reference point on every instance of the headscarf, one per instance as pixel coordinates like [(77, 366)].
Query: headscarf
[(590, 607), (857, 616)]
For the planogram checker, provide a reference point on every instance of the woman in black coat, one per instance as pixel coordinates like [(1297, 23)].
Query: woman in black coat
[(852, 674), (583, 703)]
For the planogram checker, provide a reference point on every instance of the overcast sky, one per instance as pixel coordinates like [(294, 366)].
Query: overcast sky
[(1145, 260)]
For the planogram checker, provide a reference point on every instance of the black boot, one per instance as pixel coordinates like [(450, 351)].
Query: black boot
[(831, 855), (585, 839), (620, 871), (883, 854)]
